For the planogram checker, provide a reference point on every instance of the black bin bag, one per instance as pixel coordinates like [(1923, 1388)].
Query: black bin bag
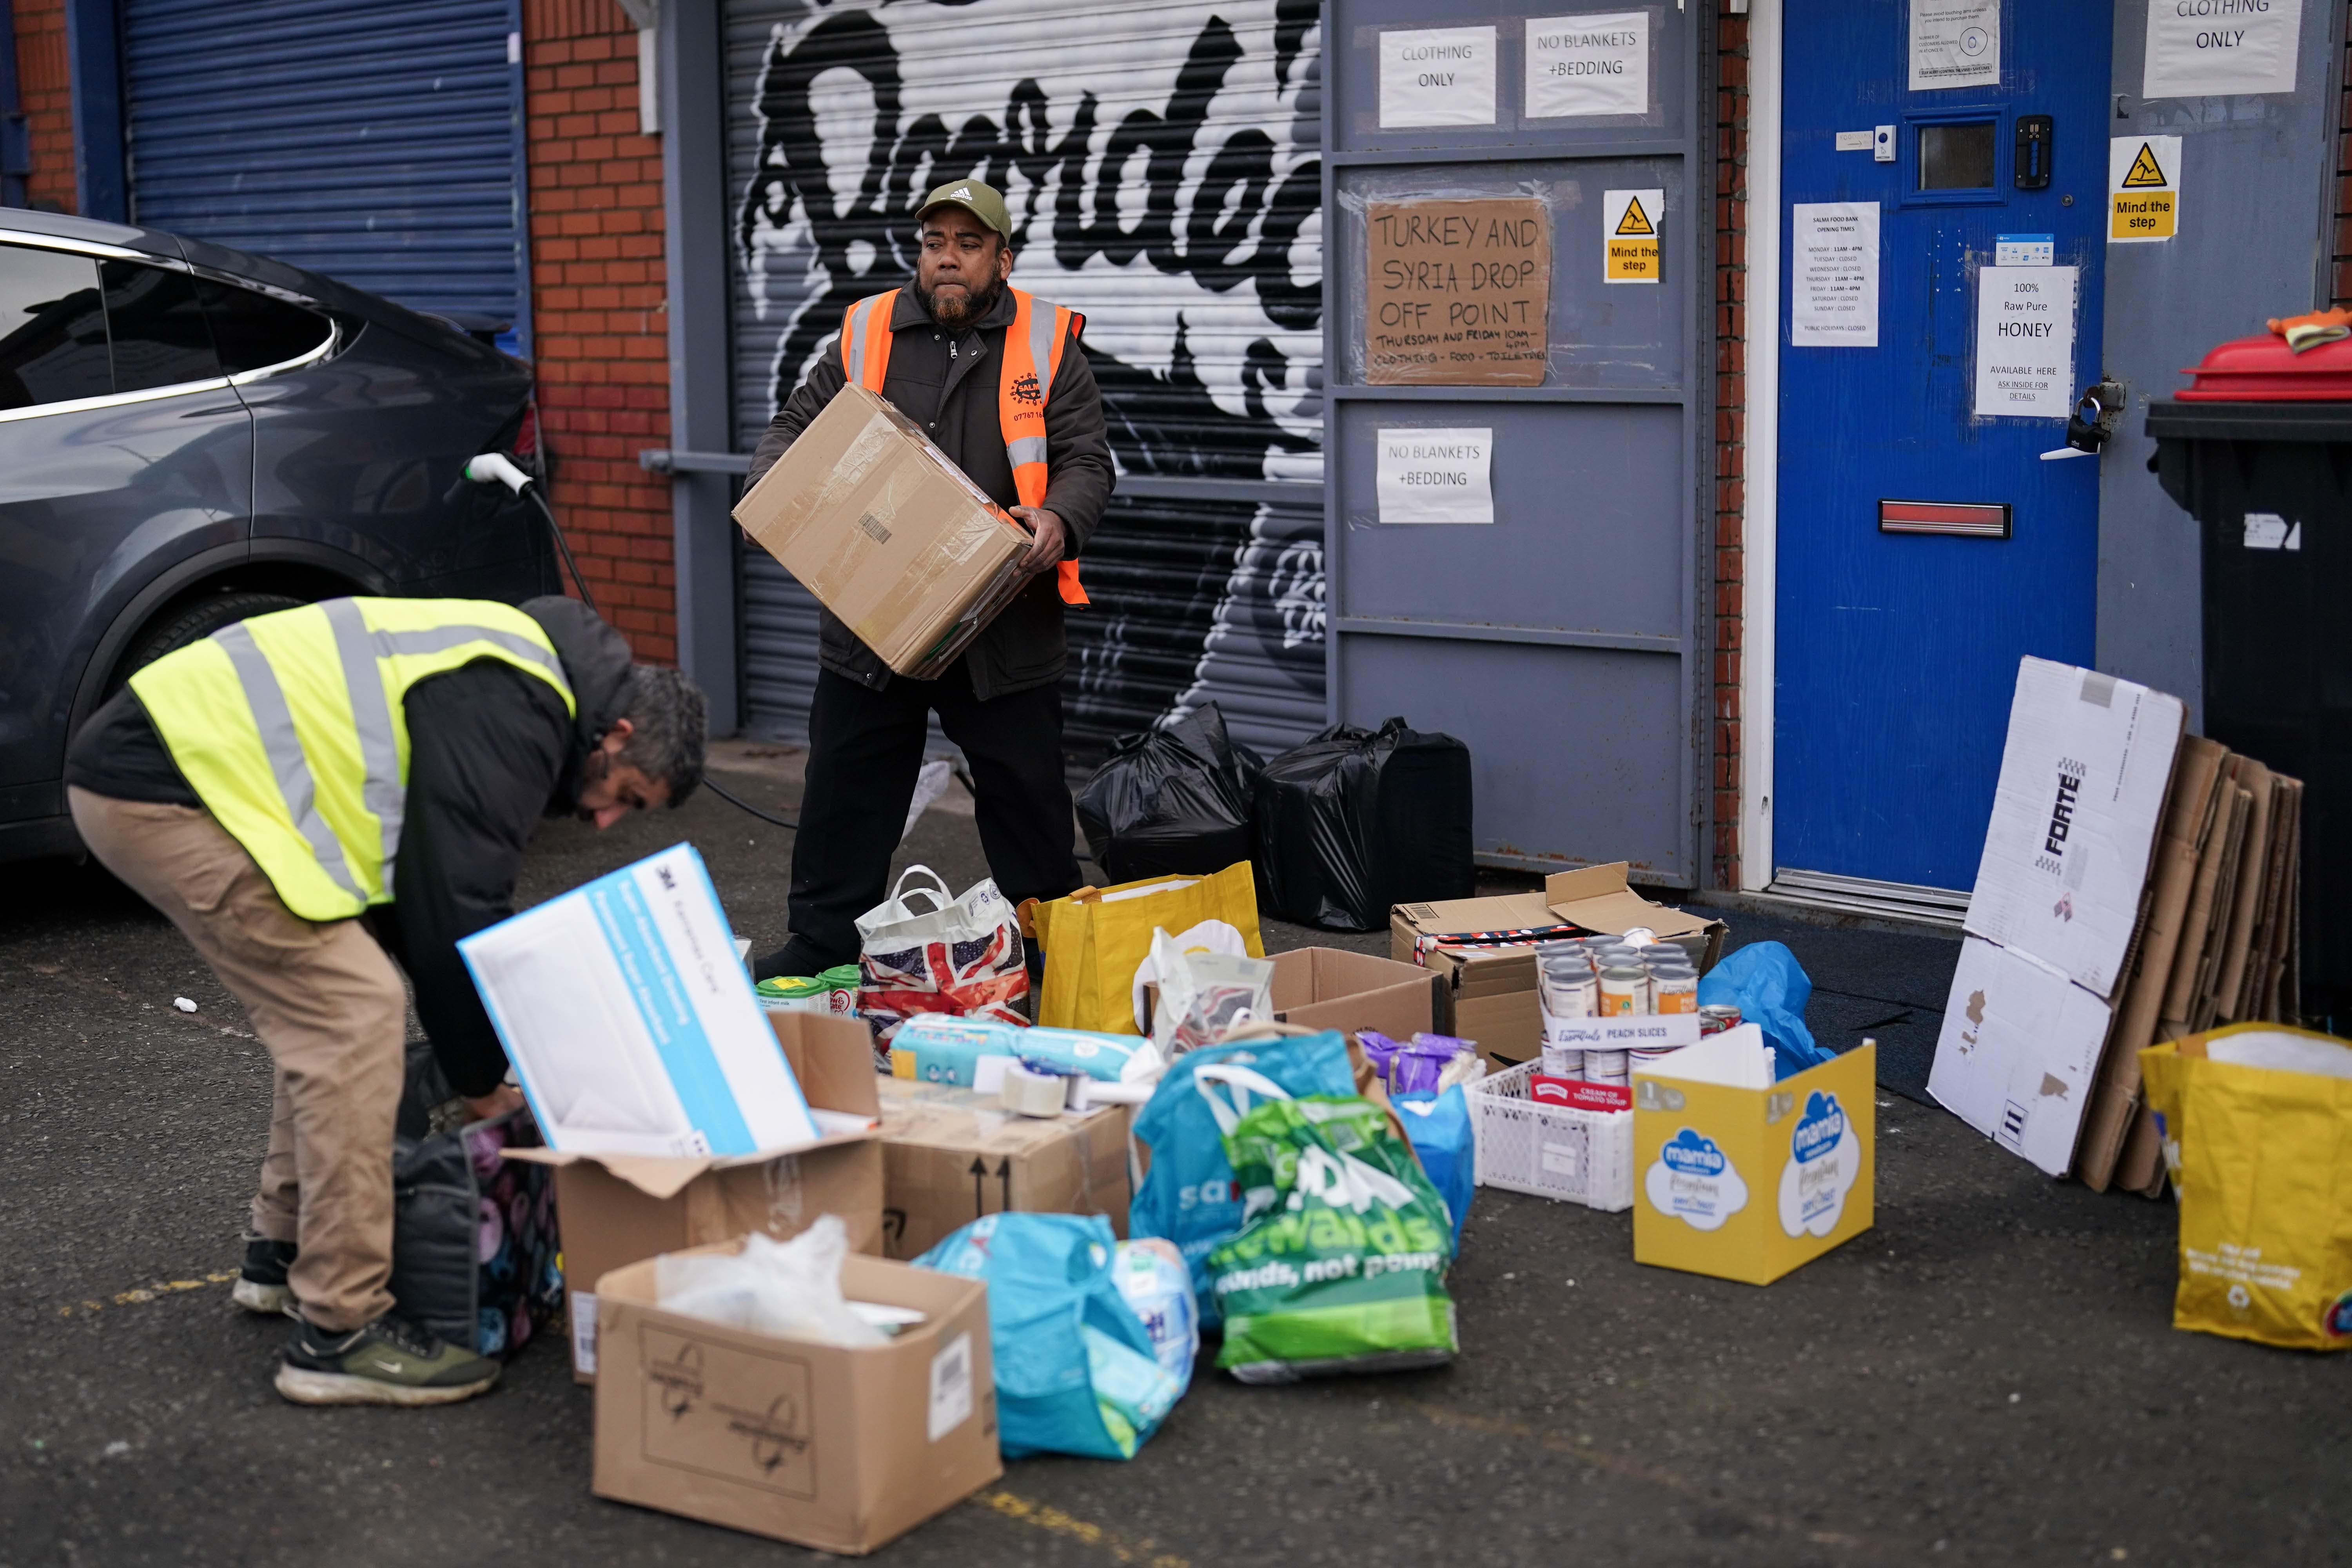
[(1355, 821), (1172, 801)]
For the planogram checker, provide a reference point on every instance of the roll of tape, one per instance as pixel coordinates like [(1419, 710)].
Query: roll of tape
[(1030, 1093)]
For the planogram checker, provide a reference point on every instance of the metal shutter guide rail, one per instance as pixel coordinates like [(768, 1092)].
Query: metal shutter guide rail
[(1861, 895)]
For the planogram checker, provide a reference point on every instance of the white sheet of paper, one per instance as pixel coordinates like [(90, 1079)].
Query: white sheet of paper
[(2025, 343), (2207, 50), (1737, 1058), (1437, 476), (1957, 43), (1598, 64), (1834, 260), (1438, 76)]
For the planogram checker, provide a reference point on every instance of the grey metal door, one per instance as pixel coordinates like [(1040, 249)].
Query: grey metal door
[(1162, 162), (1562, 640)]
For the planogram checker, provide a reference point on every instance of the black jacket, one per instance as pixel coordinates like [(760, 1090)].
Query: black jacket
[(948, 382), (490, 750)]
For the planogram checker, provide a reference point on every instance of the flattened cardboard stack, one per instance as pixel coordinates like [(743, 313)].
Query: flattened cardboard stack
[(2136, 887)]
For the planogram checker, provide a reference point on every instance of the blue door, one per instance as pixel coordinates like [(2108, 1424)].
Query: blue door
[(1924, 543)]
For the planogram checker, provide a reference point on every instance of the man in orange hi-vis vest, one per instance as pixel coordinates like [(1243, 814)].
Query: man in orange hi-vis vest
[(999, 383)]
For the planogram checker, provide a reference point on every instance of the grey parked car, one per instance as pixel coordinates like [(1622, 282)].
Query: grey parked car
[(190, 435)]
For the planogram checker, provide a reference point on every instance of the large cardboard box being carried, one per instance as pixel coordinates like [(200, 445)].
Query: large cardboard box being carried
[(888, 534), (616, 1209), (1748, 1180), (1488, 994), (951, 1154), (836, 1448)]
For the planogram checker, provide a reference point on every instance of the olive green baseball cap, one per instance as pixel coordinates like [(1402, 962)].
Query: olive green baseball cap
[(983, 202)]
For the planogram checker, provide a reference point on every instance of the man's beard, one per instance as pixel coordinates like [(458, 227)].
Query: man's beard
[(592, 769), (962, 311)]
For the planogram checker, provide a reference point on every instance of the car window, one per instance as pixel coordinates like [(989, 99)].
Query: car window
[(255, 330), (159, 331), (52, 327)]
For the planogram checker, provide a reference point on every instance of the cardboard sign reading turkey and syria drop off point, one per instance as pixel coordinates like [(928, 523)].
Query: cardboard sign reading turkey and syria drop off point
[(1457, 292), (2143, 188), (1631, 247)]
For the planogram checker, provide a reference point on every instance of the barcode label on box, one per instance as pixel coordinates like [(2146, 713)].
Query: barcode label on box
[(1560, 1159), (583, 1332), (951, 1386)]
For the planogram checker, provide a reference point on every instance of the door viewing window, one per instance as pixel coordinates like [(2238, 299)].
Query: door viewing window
[(1956, 157)]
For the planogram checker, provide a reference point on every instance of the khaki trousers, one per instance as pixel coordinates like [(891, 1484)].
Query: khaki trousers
[(327, 1004)]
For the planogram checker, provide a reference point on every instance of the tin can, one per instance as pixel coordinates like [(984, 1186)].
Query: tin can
[(1674, 990), (795, 993), (1606, 1067), (1570, 989), (1716, 1018), (1641, 1057), (1562, 1061), (1624, 992)]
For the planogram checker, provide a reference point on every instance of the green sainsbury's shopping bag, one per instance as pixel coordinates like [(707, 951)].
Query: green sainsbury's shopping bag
[(1341, 1262)]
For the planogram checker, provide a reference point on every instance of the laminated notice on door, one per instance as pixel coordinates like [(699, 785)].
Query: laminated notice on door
[(1629, 231), (1833, 293), (1955, 43), (2143, 188), (2025, 343), (2201, 48), (1437, 476)]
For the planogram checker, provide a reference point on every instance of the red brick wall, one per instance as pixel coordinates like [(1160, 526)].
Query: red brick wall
[(1731, 430), (599, 323), (47, 89)]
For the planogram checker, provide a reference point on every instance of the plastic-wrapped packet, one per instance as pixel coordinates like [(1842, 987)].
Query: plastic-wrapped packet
[(1379, 1051), (1152, 1278), (1421, 1067), (1204, 993), (789, 1288)]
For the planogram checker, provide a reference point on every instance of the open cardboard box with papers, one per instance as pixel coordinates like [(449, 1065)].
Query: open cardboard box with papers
[(837, 1448), (1488, 993), (618, 1208)]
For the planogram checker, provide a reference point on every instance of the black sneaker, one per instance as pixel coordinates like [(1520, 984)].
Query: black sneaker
[(387, 1362), (261, 1284)]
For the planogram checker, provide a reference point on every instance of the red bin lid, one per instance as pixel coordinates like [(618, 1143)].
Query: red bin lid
[(2263, 369)]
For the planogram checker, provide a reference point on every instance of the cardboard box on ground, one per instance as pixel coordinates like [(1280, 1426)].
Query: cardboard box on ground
[(951, 1154), (617, 1209), (2131, 890), (1490, 996), (1332, 988), (888, 534), (828, 1446)]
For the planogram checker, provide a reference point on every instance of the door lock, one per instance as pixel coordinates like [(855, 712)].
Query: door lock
[(2092, 422), (2029, 164)]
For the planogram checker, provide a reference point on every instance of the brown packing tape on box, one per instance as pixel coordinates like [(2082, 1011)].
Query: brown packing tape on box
[(888, 535), (951, 1154), (2188, 819), (830, 1446), (615, 1209)]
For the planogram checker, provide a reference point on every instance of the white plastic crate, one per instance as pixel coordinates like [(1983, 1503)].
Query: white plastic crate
[(1550, 1150)]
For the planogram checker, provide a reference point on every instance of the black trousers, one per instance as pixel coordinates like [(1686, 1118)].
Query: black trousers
[(866, 749)]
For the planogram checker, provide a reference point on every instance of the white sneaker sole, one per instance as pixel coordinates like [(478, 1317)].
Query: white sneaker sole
[(271, 1301), (305, 1386)]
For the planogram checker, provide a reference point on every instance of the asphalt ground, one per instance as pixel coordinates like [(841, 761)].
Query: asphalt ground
[(1989, 1375)]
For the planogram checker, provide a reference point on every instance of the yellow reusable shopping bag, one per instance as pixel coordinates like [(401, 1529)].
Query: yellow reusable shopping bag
[(2256, 1125), (1095, 940)]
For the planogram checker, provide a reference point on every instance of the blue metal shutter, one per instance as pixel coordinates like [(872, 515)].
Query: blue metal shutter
[(379, 144), (1162, 159)]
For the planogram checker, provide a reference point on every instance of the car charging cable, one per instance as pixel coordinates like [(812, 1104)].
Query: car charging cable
[(498, 469)]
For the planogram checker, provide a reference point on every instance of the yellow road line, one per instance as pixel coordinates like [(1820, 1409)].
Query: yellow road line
[(1053, 1521), (146, 1293), (1584, 1452)]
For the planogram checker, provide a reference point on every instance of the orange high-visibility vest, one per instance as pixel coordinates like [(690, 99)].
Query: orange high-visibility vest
[(1032, 353)]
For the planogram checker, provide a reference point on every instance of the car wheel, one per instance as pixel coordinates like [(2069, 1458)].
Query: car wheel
[(201, 619)]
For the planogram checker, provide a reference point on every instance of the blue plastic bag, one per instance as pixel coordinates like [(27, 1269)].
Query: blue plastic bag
[(1765, 982), (1439, 1127), (1075, 1371), (1188, 1196)]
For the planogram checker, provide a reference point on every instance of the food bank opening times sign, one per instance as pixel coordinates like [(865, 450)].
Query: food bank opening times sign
[(1597, 64)]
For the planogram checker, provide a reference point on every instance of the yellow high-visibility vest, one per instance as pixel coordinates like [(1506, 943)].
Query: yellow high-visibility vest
[(291, 730)]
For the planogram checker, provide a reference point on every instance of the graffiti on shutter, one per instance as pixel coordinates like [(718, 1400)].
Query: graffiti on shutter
[(1161, 163)]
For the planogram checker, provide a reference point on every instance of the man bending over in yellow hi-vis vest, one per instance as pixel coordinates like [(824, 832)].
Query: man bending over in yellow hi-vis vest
[(312, 794), (996, 378)]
